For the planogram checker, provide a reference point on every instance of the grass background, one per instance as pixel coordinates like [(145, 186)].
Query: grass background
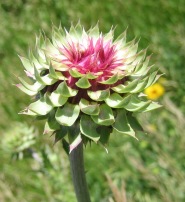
[(151, 169)]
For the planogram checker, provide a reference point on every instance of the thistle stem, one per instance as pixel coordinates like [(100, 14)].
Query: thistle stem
[(78, 174)]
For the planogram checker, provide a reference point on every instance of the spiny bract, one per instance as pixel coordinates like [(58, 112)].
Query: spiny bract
[(87, 85)]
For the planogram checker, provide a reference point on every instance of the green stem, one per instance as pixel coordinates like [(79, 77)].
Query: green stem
[(78, 174)]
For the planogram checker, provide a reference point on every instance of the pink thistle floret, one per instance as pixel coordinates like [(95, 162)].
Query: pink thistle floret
[(95, 56)]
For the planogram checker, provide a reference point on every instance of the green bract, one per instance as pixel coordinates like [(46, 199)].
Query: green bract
[(87, 85)]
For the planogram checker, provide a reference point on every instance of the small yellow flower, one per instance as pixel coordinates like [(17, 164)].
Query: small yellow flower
[(155, 91)]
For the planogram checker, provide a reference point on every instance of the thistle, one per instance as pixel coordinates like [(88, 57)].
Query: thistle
[(87, 85)]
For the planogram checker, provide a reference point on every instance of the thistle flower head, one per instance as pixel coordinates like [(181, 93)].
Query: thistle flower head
[(87, 84)]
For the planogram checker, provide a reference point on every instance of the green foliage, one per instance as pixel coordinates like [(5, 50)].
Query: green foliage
[(18, 139), (153, 167)]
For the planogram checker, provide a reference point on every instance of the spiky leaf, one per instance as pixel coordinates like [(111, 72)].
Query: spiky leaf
[(27, 64), (105, 116), (126, 88), (46, 80), (68, 114), (121, 125), (61, 133), (83, 83), (41, 106), (89, 108), (65, 90), (112, 80), (117, 101), (89, 128), (134, 122), (32, 87), (75, 73), (105, 134), (57, 99), (25, 90), (136, 104), (51, 124), (54, 74), (99, 95)]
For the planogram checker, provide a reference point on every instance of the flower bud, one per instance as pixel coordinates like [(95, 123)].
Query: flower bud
[(88, 85)]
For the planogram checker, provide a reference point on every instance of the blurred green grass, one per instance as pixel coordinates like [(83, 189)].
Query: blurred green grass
[(153, 168)]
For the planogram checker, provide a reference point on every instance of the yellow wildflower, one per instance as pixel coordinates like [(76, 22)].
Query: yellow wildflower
[(155, 91)]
